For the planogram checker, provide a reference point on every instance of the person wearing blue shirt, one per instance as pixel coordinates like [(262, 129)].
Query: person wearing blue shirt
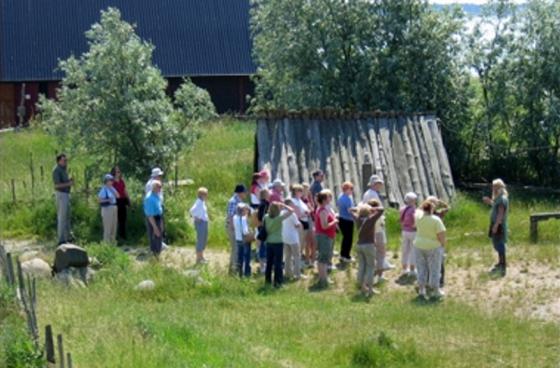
[(153, 211), (107, 198), (346, 221)]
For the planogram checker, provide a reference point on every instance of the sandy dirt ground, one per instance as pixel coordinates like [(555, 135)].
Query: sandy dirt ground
[(530, 289)]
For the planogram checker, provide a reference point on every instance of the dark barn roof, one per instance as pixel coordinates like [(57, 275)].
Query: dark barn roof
[(192, 37)]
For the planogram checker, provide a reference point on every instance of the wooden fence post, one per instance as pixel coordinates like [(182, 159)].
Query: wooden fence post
[(4, 264), (49, 345), (367, 172), (60, 351), (176, 176), (32, 170), (42, 170), (10, 269), (13, 191), (69, 360)]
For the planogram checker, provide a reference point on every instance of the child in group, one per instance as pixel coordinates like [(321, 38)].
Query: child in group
[(291, 239), (242, 238), (199, 213), (366, 216), (408, 233), (310, 250)]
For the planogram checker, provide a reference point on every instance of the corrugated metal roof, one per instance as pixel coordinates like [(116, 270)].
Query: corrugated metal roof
[(192, 37)]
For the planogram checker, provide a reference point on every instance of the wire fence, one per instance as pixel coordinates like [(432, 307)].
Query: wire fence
[(25, 292)]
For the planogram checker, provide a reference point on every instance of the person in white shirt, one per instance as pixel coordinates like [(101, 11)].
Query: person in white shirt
[(375, 186), (373, 193), (241, 229), (291, 240), (157, 175), (303, 213), (199, 213)]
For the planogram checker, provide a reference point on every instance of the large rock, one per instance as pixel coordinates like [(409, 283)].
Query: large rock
[(36, 267), (28, 255), (70, 255), (146, 285)]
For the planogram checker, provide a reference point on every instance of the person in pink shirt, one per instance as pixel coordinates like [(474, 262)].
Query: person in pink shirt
[(277, 192), (408, 234)]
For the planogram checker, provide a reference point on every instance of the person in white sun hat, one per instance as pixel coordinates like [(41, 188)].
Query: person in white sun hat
[(157, 175), (374, 193)]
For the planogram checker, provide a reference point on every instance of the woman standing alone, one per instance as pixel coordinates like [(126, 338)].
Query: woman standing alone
[(498, 222)]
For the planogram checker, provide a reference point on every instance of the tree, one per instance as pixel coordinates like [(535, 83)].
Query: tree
[(362, 55), (112, 103)]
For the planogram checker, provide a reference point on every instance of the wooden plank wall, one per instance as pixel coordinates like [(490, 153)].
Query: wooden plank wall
[(407, 151)]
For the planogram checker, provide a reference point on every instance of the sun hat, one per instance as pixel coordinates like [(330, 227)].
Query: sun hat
[(156, 171), (108, 177), (277, 182), (410, 196), (240, 188), (374, 179)]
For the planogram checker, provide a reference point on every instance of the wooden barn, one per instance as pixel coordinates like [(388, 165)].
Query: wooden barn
[(407, 151), (207, 40)]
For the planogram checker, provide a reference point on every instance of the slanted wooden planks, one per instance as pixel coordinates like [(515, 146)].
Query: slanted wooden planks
[(406, 151)]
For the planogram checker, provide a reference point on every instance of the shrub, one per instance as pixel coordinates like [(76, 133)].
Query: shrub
[(384, 352)]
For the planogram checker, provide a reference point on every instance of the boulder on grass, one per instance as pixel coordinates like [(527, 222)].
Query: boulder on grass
[(36, 267), (146, 285), (69, 255)]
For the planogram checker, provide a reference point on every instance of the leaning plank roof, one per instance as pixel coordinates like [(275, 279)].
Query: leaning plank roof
[(192, 37), (407, 151)]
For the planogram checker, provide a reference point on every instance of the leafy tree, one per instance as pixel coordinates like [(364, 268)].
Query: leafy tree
[(363, 55), (112, 104)]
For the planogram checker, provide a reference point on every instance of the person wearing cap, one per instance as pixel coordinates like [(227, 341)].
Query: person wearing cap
[(62, 185), (375, 186), (107, 198), (157, 174), (317, 184), (239, 195), (153, 210), (277, 191), (199, 213), (346, 221), (374, 193), (408, 234)]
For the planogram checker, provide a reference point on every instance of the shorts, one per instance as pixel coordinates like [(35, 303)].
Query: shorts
[(325, 248), (305, 225)]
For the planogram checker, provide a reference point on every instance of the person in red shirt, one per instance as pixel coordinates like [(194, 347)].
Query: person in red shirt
[(325, 232), (123, 201)]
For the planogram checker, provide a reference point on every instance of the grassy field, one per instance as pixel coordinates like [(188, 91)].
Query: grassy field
[(236, 323)]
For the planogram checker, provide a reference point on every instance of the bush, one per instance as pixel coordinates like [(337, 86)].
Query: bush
[(109, 256), (384, 352)]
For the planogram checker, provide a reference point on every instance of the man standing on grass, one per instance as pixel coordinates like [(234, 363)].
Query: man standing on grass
[(157, 175), (62, 185), (238, 197), (153, 211)]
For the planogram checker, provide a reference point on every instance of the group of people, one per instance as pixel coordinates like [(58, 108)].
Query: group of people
[(296, 229)]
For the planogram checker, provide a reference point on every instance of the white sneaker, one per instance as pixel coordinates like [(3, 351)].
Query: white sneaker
[(438, 293), (164, 246), (387, 265)]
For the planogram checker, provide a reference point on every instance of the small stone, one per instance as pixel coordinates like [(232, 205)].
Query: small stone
[(146, 285), (36, 267), (192, 274)]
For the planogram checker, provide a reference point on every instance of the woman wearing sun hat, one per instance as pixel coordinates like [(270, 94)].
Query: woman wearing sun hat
[(107, 198)]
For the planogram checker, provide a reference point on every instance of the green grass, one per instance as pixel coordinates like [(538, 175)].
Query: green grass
[(233, 323)]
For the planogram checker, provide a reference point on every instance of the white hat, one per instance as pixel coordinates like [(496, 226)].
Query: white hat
[(410, 196), (156, 171), (277, 182), (374, 179), (108, 177)]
